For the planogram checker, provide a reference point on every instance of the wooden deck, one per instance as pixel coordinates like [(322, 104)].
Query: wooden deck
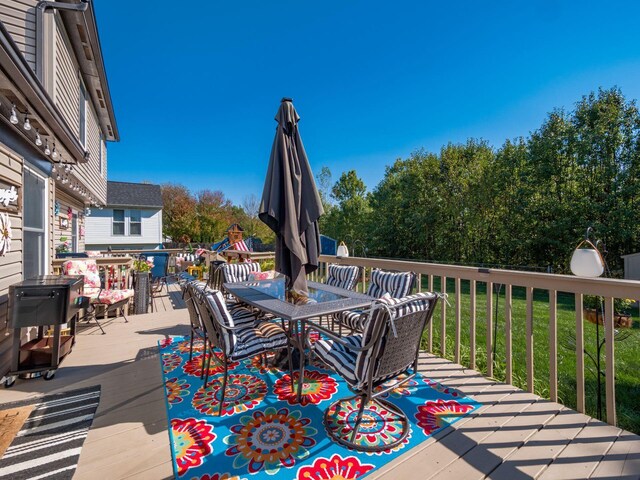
[(513, 435)]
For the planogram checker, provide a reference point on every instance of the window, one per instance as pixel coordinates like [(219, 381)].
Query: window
[(34, 255), (83, 115), (135, 222), (118, 222), (74, 233)]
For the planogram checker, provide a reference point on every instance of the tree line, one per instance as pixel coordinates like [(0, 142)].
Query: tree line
[(205, 216), (525, 204)]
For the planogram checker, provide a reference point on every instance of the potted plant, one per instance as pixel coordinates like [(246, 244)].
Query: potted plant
[(593, 311), (63, 246), (142, 284)]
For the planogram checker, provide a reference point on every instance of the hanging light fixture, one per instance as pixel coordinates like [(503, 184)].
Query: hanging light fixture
[(67, 168), (54, 154), (343, 251), (587, 260), (38, 139), (47, 151), (26, 125), (14, 117)]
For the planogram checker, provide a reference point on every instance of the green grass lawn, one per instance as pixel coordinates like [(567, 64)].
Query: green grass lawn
[(627, 352)]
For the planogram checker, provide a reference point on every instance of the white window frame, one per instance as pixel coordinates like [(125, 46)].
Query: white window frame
[(44, 268), (124, 222), (130, 222)]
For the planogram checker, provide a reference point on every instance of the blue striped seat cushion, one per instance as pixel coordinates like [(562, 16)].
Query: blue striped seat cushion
[(340, 358), (342, 276), (239, 272), (396, 284)]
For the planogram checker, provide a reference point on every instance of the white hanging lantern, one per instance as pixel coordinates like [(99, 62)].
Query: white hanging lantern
[(587, 262), (343, 251)]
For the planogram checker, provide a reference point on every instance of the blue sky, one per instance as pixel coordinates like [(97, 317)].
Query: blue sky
[(196, 84)]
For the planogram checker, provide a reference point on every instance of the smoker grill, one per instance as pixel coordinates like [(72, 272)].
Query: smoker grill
[(43, 301)]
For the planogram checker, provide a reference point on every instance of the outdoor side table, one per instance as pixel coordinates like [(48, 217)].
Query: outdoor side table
[(270, 296)]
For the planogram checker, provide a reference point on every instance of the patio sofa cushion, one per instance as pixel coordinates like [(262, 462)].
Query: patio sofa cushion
[(86, 267), (342, 276), (239, 272), (342, 359), (352, 319), (396, 284), (107, 297)]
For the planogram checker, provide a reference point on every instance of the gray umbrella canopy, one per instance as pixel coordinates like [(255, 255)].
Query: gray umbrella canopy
[(291, 204)]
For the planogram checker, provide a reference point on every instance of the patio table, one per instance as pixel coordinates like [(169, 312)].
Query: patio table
[(270, 296)]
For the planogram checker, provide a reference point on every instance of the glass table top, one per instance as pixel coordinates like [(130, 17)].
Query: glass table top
[(276, 288)]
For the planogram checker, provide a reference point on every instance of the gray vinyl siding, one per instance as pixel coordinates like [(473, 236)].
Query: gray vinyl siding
[(67, 98), (19, 17), (67, 83)]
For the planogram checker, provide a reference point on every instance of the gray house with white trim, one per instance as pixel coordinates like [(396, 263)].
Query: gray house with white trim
[(131, 219)]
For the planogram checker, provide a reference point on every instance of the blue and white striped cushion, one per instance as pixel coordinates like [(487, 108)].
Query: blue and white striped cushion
[(342, 276), (239, 272), (396, 284), (415, 303), (342, 359), (262, 337)]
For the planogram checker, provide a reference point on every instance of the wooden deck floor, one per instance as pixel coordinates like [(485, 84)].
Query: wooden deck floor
[(513, 435)]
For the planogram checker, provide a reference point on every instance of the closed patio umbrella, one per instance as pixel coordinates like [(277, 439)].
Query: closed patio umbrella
[(291, 204)]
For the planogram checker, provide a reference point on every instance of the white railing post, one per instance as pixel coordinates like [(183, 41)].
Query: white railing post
[(553, 345), (580, 401), (508, 309), (610, 371), (472, 324), (489, 338)]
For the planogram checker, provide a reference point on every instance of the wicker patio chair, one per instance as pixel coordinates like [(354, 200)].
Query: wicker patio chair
[(236, 331), (394, 284), (388, 347)]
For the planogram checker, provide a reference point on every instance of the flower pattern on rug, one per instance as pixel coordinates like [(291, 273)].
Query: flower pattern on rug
[(432, 415), (256, 365), (441, 388), (317, 387), (405, 389), (334, 468), (192, 441), (243, 393), (184, 345), (219, 476), (193, 367), (263, 434), (270, 439), (177, 389), (170, 361), (378, 427)]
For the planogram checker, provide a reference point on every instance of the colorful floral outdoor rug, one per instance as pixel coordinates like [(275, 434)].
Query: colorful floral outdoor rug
[(263, 432)]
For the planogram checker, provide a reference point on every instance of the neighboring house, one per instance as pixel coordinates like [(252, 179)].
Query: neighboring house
[(632, 266), (132, 218), (55, 117)]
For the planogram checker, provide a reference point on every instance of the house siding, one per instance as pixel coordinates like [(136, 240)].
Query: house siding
[(11, 168), (67, 202), (99, 233), (19, 17)]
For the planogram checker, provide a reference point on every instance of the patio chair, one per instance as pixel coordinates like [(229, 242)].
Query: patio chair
[(383, 283), (369, 362), (196, 323), (343, 276), (112, 300), (237, 332), (159, 272)]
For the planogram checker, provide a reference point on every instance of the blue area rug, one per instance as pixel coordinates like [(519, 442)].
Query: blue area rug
[(264, 432)]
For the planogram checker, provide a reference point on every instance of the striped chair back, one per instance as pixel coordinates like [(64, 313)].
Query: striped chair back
[(395, 327), (343, 276), (396, 284), (239, 272)]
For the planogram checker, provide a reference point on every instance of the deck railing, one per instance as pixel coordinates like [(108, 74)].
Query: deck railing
[(116, 271), (551, 283)]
